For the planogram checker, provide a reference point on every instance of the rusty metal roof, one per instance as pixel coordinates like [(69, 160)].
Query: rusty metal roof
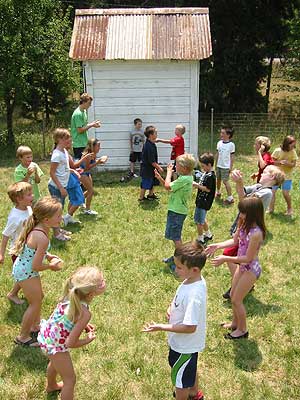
[(141, 34)]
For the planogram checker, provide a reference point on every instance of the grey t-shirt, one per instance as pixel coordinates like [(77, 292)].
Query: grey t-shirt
[(137, 138), (263, 193)]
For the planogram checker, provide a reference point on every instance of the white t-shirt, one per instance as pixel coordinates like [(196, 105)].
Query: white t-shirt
[(225, 149), (15, 223), (63, 169), (137, 138), (189, 308)]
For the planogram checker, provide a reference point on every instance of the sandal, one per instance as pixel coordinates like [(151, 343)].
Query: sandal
[(64, 232), (30, 342), (62, 237)]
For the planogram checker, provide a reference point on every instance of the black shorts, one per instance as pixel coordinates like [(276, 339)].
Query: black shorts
[(184, 369), (135, 156), (77, 151)]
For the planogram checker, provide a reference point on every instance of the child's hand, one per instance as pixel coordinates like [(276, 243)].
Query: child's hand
[(262, 148), (91, 336), (97, 124), (63, 192), (170, 167), (152, 327), (157, 174), (218, 261), (102, 160), (236, 175), (89, 328), (195, 185), (30, 169), (56, 264), (211, 249)]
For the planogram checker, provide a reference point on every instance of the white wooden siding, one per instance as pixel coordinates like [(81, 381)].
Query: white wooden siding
[(163, 94)]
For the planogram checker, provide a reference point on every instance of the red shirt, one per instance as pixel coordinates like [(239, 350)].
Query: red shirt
[(177, 144), (268, 160)]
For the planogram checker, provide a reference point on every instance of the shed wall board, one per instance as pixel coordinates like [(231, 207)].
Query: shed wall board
[(163, 94)]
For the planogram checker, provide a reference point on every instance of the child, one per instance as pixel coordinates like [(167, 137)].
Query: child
[(60, 174), (28, 171), (285, 158), (224, 157), (86, 179), (137, 140), (31, 248), (262, 146), (187, 321), (249, 237), (63, 329), (149, 164), (263, 190), (20, 194), (177, 143), (181, 191), (205, 197)]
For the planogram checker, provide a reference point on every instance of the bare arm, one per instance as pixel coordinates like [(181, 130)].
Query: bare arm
[(94, 124), (73, 340), (165, 141), (237, 177), (179, 328), (4, 242), (231, 161)]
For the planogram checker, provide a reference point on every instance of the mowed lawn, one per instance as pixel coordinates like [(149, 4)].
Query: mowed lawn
[(127, 242)]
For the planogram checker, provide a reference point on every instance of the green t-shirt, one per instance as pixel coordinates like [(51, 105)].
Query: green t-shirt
[(181, 192), (20, 173), (79, 120)]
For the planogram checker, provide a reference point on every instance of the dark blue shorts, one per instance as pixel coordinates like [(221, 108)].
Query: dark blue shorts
[(174, 225), (76, 196), (147, 183), (183, 369)]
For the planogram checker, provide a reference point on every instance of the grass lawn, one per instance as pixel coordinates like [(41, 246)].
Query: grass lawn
[(127, 241)]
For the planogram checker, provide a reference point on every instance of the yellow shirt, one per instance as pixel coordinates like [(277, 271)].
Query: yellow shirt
[(290, 156)]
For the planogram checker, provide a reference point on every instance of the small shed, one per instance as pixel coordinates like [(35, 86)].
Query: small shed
[(142, 63)]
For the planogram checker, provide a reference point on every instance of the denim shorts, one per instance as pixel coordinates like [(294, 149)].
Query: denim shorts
[(287, 185), (174, 225), (56, 193), (200, 215), (184, 369), (147, 183)]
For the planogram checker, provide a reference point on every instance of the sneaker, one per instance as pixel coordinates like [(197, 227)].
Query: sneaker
[(71, 220), (208, 237), (228, 202), (135, 176), (169, 260), (226, 295), (198, 396), (152, 197), (90, 212), (66, 219), (62, 237)]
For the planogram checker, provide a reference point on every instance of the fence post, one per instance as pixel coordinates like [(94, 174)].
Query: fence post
[(211, 129)]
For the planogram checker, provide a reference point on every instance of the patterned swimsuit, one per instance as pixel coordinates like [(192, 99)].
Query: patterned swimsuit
[(244, 240), (55, 331)]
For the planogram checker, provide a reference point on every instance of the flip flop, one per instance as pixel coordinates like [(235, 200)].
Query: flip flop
[(30, 342)]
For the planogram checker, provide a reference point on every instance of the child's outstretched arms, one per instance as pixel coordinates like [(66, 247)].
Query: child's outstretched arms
[(73, 340), (176, 328)]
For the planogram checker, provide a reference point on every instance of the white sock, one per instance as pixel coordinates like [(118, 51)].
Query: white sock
[(200, 238), (207, 233), (67, 216), (230, 198)]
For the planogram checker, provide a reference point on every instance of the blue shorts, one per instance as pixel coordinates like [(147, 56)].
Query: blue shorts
[(287, 185), (76, 196), (147, 183), (56, 193), (174, 225), (183, 369), (200, 215)]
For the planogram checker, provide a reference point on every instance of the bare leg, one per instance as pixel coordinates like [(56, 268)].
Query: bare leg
[(52, 385), (72, 209), (200, 229), (142, 193), (32, 289), (218, 185), (13, 294), (272, 202), (232, 268), (88, 184), (132, 167), (288, 200), (228, 188), (182, 394), (61, 363)]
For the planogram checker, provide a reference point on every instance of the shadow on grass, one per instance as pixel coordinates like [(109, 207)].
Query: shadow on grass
[(149, 205), (15, 313), (256, 307), (247, 355), (281, 217), (27, 358)]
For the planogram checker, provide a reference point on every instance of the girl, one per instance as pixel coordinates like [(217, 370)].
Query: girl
[(262, 146), (93, 147), (249, 236), (64, 327), (31, 247), (285, 158)]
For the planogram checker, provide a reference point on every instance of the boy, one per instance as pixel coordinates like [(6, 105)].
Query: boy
[(270, 177), (176, 142), (224, 160), (137, 140), (28, 171), (149, 164), (187, 321), (181, 191), (205, 197), (21, 195)]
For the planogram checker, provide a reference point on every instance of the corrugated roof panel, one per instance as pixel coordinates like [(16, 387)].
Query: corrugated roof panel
[(141, 34)]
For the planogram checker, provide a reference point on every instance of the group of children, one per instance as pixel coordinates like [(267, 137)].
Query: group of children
[(28, 228)]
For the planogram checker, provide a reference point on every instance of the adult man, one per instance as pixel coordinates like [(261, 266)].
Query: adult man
[(80, 125)]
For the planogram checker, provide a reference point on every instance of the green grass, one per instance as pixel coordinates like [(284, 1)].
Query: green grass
[(127, 241)]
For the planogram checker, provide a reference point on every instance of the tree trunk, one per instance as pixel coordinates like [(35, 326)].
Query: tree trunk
[(10, 105), (269, 83), (47, 110)]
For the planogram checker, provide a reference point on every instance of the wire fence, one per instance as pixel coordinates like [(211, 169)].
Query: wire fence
[(246, 127)]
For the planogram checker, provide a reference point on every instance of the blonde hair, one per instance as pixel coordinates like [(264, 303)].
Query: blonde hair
[(60, 133), (43, 208), (22, 151), (186, 161), (18, 190), (77, 288), (90, 146), (265, 141), (181, 128), (279, 176)]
